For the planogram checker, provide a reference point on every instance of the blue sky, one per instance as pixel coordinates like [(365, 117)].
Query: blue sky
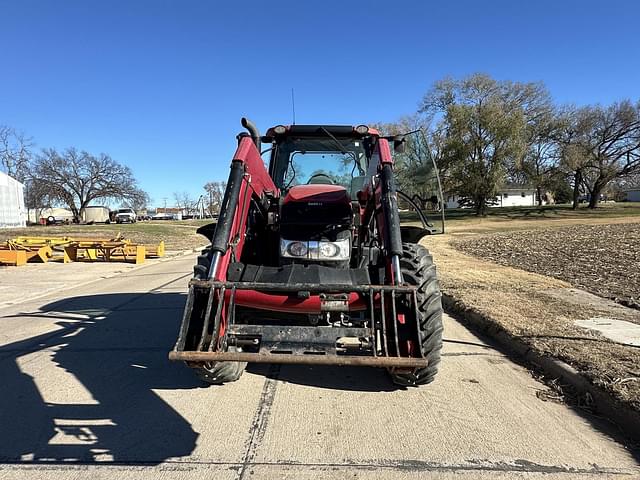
[(161, 85)]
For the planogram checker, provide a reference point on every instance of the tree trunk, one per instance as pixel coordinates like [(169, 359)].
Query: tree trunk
[(595, 194), (577, 180), (75, 211), (539, 193), (481, 207)]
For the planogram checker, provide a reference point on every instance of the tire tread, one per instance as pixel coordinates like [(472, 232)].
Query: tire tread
[(418, 269)]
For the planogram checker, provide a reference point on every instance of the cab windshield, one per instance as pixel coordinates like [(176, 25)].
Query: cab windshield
[(313, 160)]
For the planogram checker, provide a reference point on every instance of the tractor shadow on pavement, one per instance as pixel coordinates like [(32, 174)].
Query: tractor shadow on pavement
[(98, 400), (363, 379)]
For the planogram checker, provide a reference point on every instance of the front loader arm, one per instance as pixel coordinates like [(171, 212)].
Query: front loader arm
[(248, 178), (381, 200)]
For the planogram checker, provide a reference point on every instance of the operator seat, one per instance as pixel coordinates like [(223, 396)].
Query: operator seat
[(320, 179)]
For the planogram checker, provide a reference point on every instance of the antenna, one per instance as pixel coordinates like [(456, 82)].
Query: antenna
[(293, 105)]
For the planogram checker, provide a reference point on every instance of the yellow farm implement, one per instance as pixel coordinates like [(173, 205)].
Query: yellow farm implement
[(12, 253), (21, 250), (12, 257)]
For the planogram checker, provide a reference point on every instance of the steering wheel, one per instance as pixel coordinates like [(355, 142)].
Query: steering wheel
[(320, 178)]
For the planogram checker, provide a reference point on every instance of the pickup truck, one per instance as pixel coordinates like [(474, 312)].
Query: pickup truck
[(125, 215)]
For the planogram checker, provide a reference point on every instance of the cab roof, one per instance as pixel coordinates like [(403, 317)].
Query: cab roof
[(319, 130)]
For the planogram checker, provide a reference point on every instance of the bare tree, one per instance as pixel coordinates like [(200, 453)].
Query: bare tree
[(611, 139), (15, 152), (215, 190), (573, 155), (600, 145), (184, 201), (539, 165), (138, 202), (77, 178)]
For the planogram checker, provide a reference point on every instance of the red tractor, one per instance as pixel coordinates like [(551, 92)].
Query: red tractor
[(308, 262)]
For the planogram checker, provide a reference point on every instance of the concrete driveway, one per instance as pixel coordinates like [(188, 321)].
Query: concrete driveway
[(87, 391)]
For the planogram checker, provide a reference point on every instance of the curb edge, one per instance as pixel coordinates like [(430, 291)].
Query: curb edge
[(627, 419)]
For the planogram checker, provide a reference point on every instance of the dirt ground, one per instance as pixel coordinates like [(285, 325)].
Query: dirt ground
[(177, 235), (537, 308), (602, 259)]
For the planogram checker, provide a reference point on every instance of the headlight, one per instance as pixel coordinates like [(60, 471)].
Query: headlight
[(314, 250), (331, 251), (328, 250), (298, 249)]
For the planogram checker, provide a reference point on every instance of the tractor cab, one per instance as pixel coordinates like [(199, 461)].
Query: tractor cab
[(319, 155)]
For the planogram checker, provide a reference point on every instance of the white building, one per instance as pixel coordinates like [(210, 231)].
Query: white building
[(632, 195), (509, 196), (514, 196), (12, 210)]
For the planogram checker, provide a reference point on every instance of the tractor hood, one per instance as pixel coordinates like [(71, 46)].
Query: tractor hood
[(315, 212), (318, 194)]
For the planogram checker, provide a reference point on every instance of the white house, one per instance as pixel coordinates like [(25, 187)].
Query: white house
[(508, 196), (632, 195), (516, 196), (12, 211)]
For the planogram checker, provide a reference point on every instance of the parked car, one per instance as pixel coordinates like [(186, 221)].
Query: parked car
[(162, 216), (587, 198), (53, 220), (125, 215)]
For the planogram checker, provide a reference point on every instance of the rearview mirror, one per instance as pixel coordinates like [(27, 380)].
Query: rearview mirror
[(399, 142)]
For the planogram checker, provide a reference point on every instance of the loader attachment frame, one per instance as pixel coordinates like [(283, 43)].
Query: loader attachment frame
[(385, 342)]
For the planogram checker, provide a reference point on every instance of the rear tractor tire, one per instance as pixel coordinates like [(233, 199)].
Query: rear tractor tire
[(418, 269)]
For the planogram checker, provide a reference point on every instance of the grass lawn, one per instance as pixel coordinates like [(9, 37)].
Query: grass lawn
[(508, 218), (606, 209), (462, 220), (177, 235)]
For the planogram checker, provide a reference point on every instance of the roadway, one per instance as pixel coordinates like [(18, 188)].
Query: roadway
[(87, 390)]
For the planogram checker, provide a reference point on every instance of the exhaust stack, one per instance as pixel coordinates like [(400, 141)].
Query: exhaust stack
[(253, 131)]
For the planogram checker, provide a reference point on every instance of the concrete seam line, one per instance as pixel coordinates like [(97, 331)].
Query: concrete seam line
[(627, 419), (260, 418)]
